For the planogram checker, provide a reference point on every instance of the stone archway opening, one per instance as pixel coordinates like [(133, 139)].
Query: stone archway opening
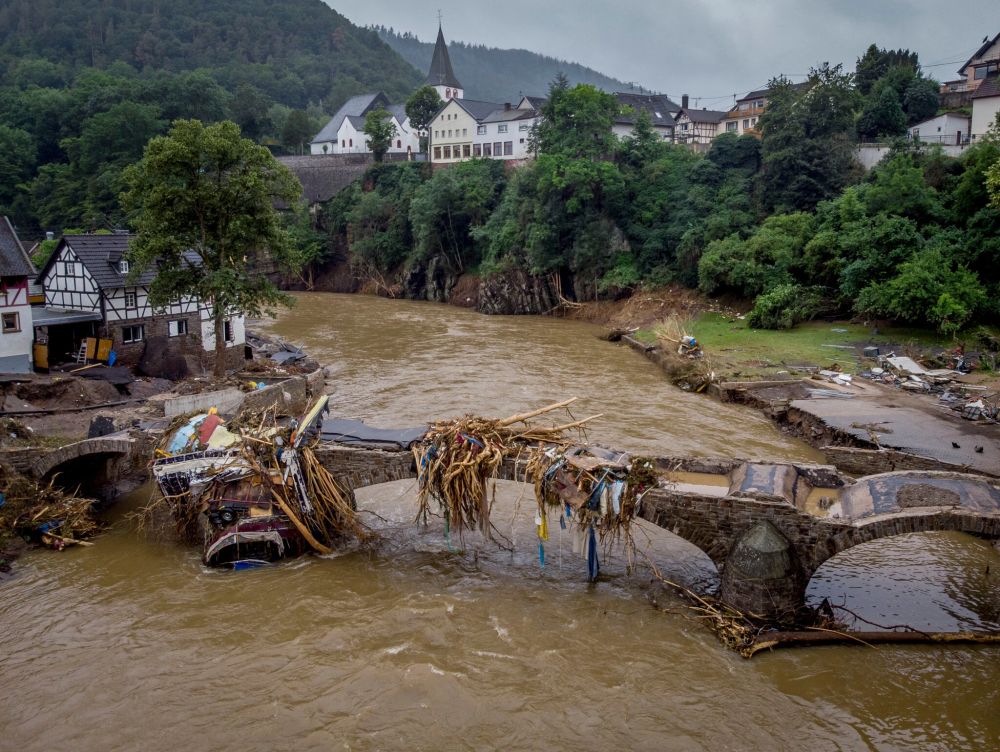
[(933, 581), (391, 507), (91, 475)]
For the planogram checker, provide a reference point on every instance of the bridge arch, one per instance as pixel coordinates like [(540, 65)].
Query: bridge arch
[(91, 464)]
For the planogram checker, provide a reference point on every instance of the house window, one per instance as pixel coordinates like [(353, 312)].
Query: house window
[(481, 130), (465, 131), (522, 140), (759, 103), (131, 300), (477, 150), (508, 148), (11, 322), (497, 148), (487, 150), (746, 123), (502, 128), (343, 142), (447, 152), (466, 151), (133, 333), (177, 328), (399, 144), (123, 266), (524, 127), (227, 330), (731, 126), (437, 152), (753, 122), (350, 142)]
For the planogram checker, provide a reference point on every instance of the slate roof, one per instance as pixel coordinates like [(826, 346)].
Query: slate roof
[(704, 116), (355, 106), (398, 111), (100, 254), (324, 176), (659, 107), (536, 102), (357, 121), (504, 116), (990, 87), (764, 93), (441, 73), (477, 109), (14, 262), (985, 46)]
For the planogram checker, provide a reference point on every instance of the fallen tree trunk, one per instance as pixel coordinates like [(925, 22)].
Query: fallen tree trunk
[(772, 640)]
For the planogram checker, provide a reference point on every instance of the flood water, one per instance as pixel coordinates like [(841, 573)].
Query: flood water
[(432, 645)]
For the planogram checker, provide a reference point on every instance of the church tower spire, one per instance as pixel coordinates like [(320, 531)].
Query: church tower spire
[(441, 75)]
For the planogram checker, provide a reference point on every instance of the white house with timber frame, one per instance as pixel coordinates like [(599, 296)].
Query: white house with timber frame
[(89, 292), (15, 308)]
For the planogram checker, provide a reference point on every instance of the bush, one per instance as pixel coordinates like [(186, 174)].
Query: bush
[(784, 306)]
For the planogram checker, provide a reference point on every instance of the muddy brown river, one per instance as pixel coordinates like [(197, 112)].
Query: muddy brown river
[(432, 645)]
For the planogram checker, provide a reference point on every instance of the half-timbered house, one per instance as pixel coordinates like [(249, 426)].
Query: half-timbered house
[(15, 309), (89, 275)]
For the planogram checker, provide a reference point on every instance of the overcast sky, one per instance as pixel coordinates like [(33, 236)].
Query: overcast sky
[(706, 48)]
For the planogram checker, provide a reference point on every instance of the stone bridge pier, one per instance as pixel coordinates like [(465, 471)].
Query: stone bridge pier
[(97, 466), (767, 526)]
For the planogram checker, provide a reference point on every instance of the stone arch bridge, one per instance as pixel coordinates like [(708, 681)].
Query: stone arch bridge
[(766, 526)]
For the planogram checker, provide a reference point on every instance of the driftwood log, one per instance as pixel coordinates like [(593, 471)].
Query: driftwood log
[(772, 640)]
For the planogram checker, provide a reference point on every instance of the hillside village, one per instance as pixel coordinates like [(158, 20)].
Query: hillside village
[(467, 128)]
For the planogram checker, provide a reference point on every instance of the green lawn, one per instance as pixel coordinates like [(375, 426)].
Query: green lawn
[(733, 347)]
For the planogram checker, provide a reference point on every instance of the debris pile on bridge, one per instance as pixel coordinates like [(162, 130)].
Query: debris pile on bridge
[(458, 458), (44, 514), (594, 490), (262, 495)]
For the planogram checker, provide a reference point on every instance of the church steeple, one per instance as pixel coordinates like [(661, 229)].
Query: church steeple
[(441, 75)]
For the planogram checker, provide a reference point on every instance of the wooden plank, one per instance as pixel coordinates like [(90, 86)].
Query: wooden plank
[(104, 349), (41, 355)]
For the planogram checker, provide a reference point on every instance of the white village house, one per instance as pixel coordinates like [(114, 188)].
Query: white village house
[(661, 109), (88, 293), (15, 309), (345, 132), (948, 128)]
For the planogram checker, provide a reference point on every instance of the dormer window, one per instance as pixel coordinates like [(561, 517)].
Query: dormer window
[(123, 266)]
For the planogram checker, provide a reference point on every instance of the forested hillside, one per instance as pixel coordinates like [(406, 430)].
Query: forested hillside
[(496, 75), (294, 51), (84, 84)]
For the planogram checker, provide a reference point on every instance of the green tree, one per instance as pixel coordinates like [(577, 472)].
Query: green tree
[(250, 110), (206, 191), (993, 184), (380, 131), (576, 122), (883, 115), (921, 100), (421, 108), (297, 130), (17, 161), (806, 144)]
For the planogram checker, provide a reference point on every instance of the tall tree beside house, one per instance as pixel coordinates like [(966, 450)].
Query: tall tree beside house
[(207, 190), (380, 131), (297, 131), (421, 108), (576, 122), (807, 140)]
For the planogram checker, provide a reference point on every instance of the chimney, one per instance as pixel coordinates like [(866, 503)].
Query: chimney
[(506, 106), (684, 101)]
